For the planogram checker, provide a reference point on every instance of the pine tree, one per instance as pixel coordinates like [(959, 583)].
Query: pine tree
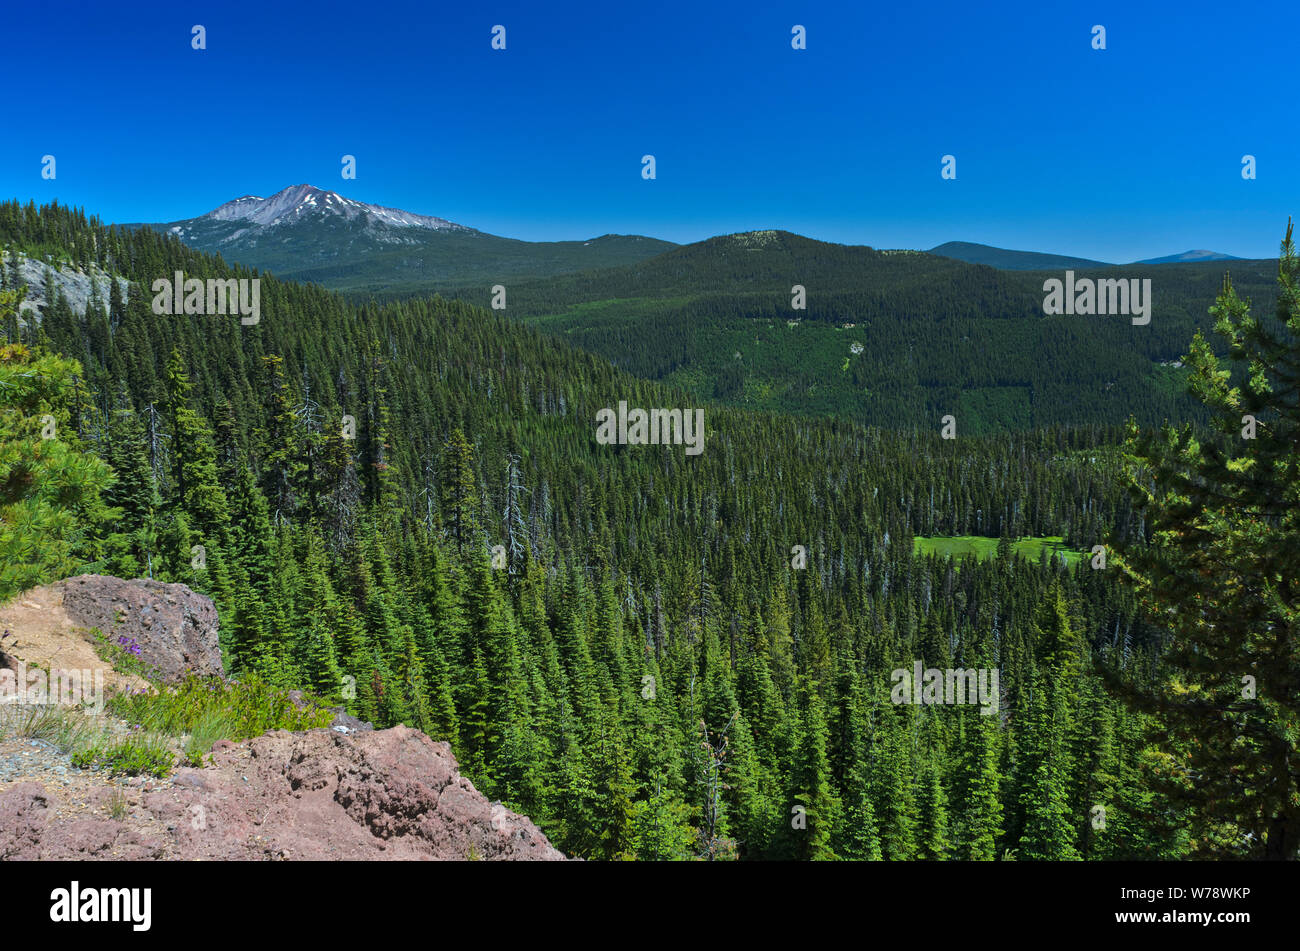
[(1219, 575), (194, 457), (933, 803), (50, 489), (1049, 826), (133, 491), (314, 649), (283, 471), (810, 782), (979, 813), (893, 794), (459, 489), (341, 490), (858, 839)]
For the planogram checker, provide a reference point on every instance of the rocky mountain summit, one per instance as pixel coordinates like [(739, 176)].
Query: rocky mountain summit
[(310, 234), (298, 201)]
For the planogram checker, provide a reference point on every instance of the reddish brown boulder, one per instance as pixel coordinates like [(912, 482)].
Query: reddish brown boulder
[(175, 628)]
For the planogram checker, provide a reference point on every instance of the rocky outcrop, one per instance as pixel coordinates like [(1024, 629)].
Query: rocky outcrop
[(36, 632), (343, 792), (75, 287), (387, 794), (174, 628)]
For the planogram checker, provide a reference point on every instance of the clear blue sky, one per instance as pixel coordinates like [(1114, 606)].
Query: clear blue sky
[(1122, 154)]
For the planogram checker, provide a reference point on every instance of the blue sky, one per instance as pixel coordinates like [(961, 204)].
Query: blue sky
[(1120, 154)]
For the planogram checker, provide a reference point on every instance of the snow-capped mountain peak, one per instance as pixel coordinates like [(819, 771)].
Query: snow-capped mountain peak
[(298, 202)]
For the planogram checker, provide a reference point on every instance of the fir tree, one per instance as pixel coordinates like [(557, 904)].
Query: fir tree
[(1219, 575)]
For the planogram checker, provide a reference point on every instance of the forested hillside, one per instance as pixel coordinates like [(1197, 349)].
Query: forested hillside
[(651, 674), (888, 338)]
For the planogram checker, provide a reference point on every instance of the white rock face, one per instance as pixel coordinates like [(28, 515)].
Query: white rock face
[(73, 286)]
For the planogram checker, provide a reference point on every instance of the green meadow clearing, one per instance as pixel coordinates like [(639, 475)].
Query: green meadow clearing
[(959, 546)]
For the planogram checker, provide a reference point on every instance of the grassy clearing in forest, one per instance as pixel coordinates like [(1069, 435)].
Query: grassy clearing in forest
[(959, 546)]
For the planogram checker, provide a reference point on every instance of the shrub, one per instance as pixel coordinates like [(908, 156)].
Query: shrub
[(131, 756), (209, 709)]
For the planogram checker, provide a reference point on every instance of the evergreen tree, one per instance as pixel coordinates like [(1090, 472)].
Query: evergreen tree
[(1219, 575), (810, 782), (459, 488), (198, 492), (51, 490), (979, 813)]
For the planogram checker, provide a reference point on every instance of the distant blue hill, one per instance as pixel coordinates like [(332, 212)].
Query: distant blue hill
[(1190, 257), (1008, 260)]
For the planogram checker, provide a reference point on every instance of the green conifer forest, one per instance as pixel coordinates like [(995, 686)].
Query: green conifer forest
[(401, 507)]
